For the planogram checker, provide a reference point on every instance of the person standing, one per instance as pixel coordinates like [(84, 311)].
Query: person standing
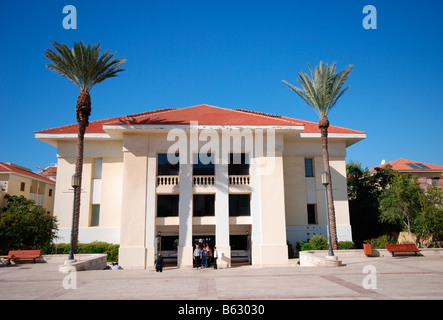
[(159, 263), (204, 258), (215, 254), (197, 256)]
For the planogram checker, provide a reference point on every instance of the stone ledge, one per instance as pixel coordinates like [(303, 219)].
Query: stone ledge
[(82, 262), (318, 258)]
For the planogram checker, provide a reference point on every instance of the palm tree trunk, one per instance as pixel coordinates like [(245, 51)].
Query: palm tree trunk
[(83, 111), (323, 124)]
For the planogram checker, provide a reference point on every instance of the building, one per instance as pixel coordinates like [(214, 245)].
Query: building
[(426, 174), (161, 180), (19, 181)]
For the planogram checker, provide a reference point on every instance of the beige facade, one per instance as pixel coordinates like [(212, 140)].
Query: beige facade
[(248, 216), (16, 180)]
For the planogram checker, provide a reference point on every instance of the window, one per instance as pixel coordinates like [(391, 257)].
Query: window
[(309, 169), (165, 168), (238, 164), (22, 186), (95, 215), (97, 174), (203, 165), (50, 192), (203, 205), (239, 205), (167, 205), (312, 214)]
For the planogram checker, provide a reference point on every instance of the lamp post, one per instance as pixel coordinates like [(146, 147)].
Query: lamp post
[(325, 183), (75, 182)]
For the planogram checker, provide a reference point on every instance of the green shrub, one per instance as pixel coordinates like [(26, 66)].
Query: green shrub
[(82, 248), (346, 245), (305, 246), (319, 242), (380, 242)]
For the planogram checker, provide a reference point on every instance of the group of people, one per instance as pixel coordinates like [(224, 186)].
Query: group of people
[(202, 257)]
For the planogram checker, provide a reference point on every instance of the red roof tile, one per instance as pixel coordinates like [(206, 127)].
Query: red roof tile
[(410, 166), (204, 115), (8, 168)]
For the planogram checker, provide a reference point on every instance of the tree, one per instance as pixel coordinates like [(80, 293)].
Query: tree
[(84, 66), (364, 189), (25, 225), (321, 92), (429, 225), (400, 202)]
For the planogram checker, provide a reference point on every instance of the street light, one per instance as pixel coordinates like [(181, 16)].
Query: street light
[(75, 183), (325, 183)]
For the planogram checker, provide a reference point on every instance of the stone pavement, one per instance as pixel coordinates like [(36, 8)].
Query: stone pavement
[(382, 278)]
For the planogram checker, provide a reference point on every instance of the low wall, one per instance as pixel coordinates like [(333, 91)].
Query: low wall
[(319, 258), (82, 261)]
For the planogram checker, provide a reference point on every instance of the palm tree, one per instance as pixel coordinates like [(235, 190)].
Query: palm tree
[(84, 66), (321, 92)]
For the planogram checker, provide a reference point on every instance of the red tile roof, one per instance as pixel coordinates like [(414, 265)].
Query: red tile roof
[(204, 115), (10, 168), (410, 166)]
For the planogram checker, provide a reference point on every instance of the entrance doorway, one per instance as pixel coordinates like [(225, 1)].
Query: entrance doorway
[(167, 246), (240, 249)]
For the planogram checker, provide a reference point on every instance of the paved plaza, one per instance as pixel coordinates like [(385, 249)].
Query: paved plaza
[(382, 278)]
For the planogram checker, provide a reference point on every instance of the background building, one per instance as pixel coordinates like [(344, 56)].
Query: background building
[(426, 174), (19, 181)]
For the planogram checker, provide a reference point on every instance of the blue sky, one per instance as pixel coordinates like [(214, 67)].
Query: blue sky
[(231, 54)]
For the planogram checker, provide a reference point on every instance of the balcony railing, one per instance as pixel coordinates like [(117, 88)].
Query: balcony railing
[(203, 180), (167, 180), (239, 180)]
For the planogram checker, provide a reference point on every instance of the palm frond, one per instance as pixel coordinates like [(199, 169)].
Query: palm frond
[(321, 91), (83, 65)]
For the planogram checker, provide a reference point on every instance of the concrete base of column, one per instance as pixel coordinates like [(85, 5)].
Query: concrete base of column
[(185, 257), (150, 258), (270, 255), (224, 257), (132, 257)]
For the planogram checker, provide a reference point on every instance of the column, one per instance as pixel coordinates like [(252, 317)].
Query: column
[(132, 253), (256, 233), (222, 214), (150, 210), (185, 249)]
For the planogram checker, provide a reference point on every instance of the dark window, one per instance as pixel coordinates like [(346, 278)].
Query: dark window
[(238, 164), (203, 165), (312, 215), (203, 205), (239, 205), (169, 243), (95, 215), (309, 169), (22, 186), (50, 192), (238, 242), (167, 205), (165, 168)]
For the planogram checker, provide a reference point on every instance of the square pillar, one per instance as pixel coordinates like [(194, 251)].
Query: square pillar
[(132, 252), (150, 210), (222, 214), (185, 248)]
